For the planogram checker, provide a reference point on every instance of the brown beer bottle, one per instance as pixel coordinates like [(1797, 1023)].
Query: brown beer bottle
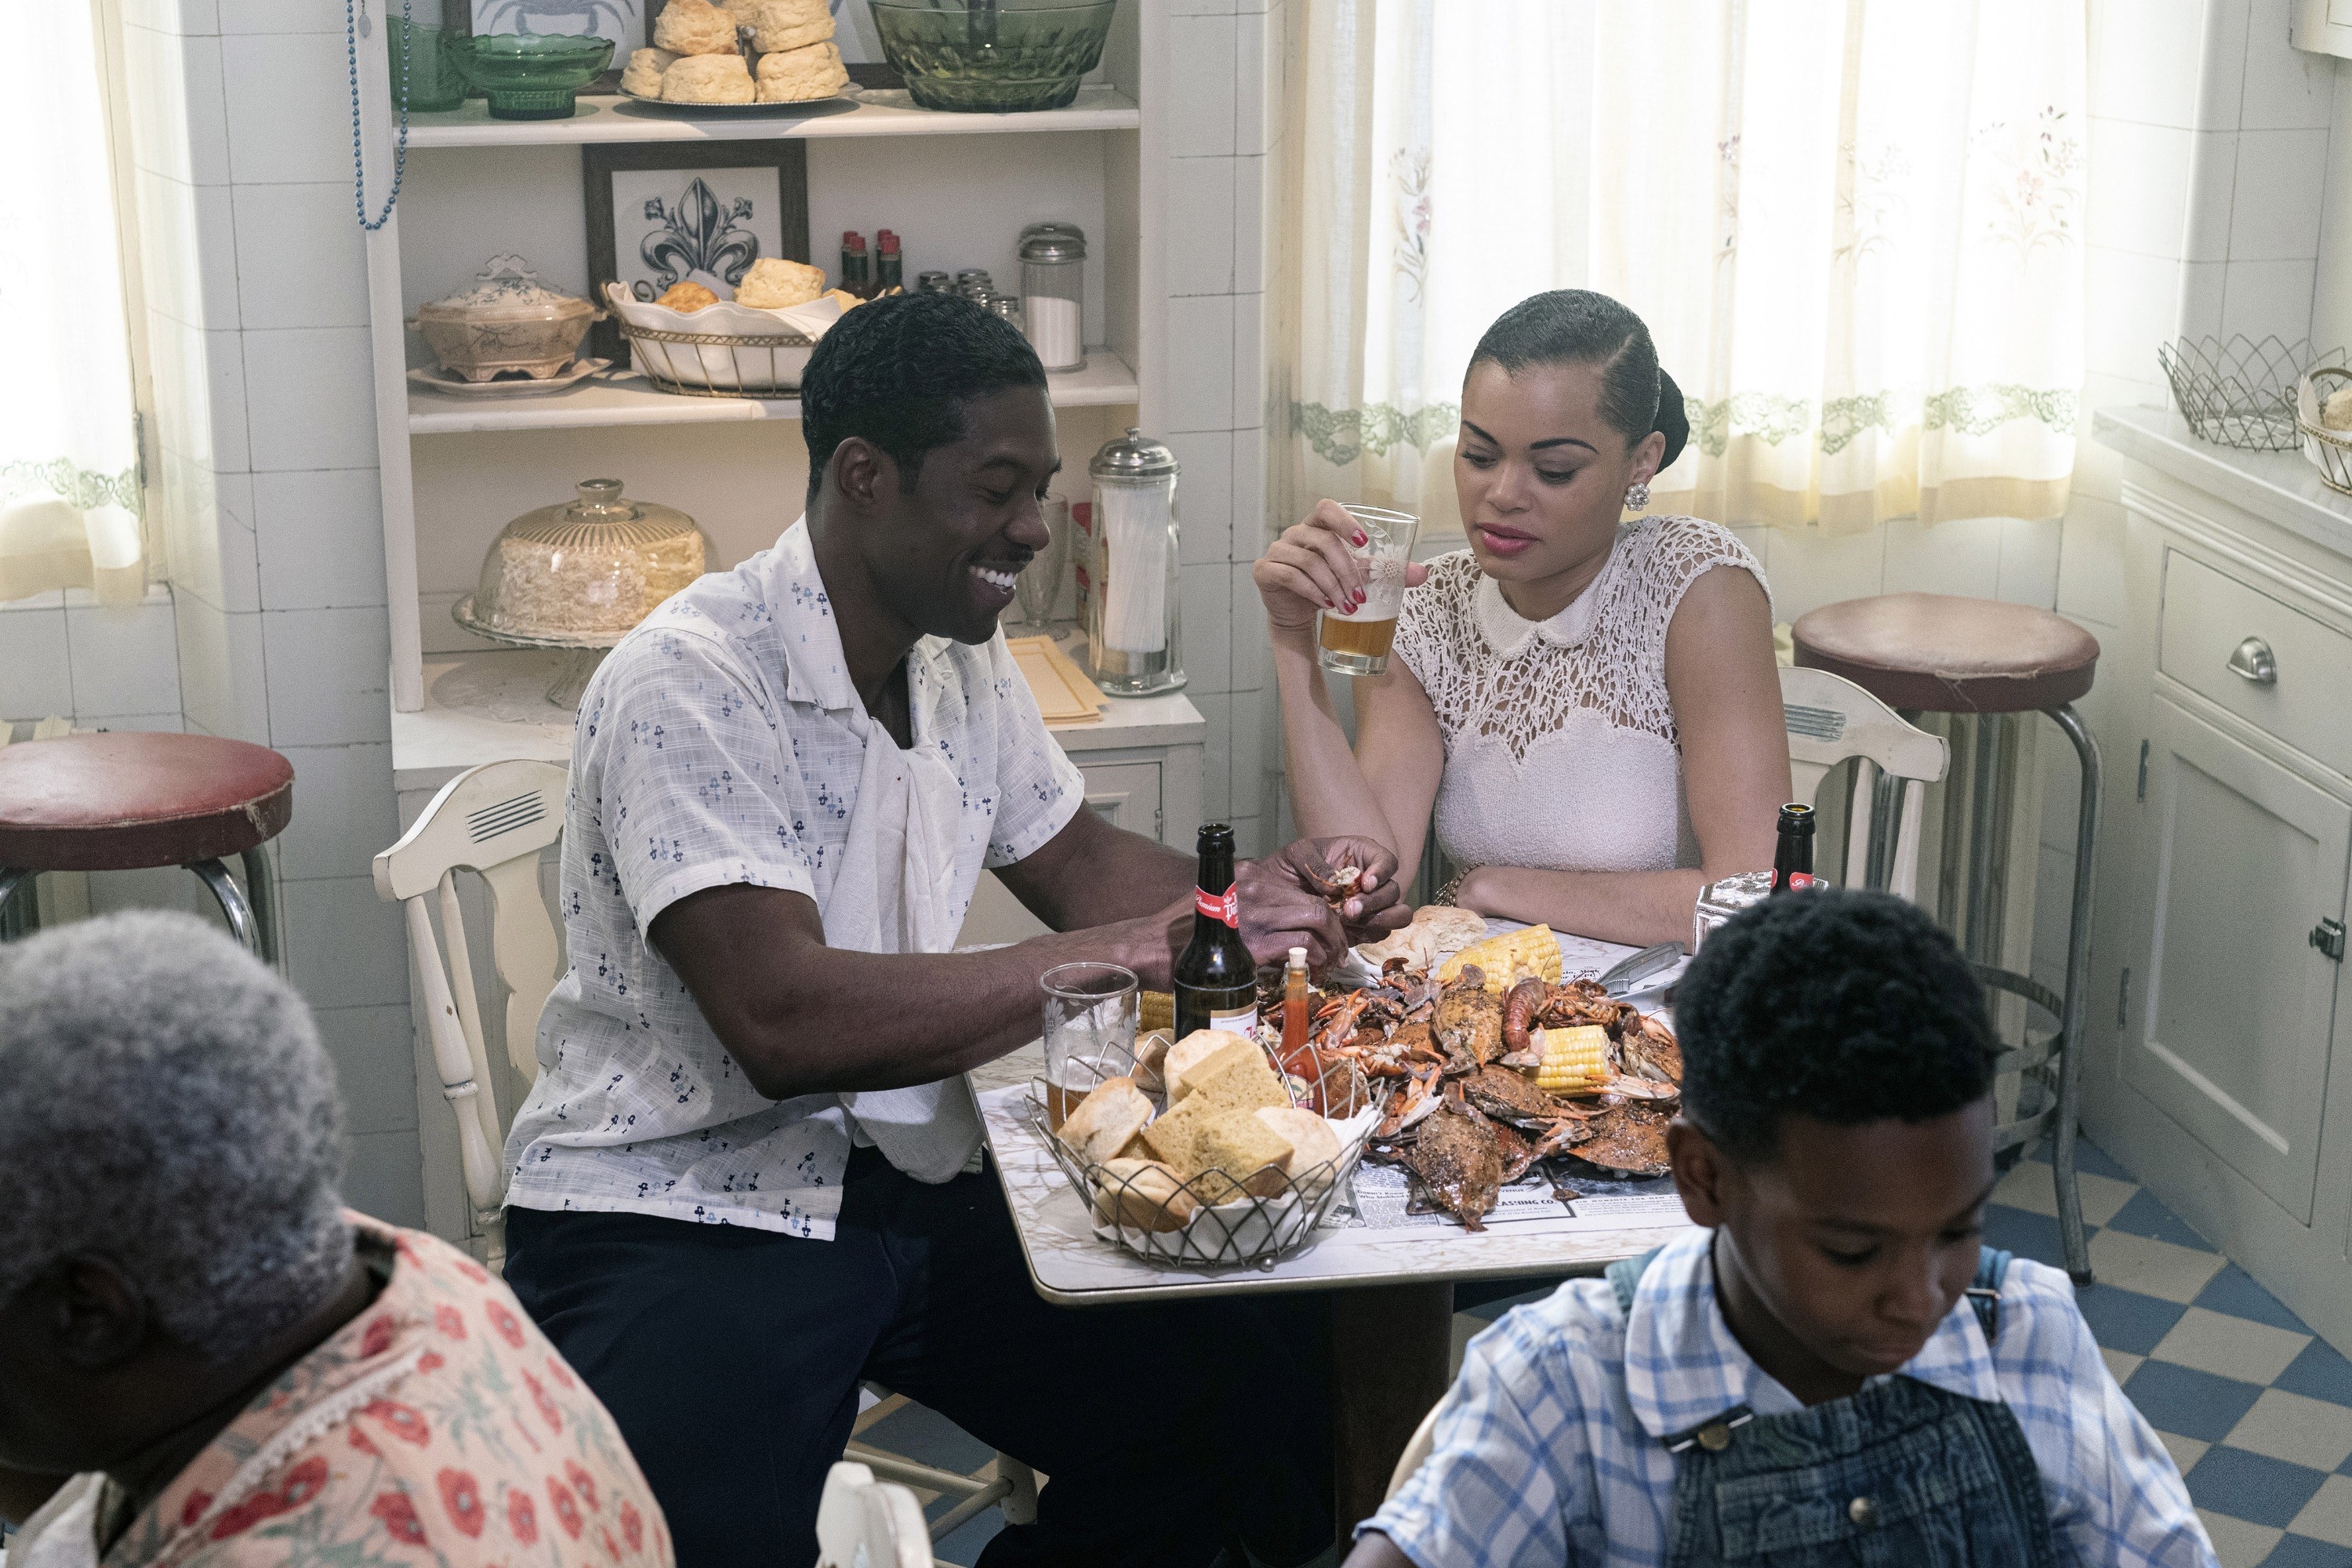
[(1792, 860), (1215, 977)]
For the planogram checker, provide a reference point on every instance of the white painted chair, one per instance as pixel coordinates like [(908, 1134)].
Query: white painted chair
[(865, 1523), (495, 820), (1416, 1451), (1831, 720)]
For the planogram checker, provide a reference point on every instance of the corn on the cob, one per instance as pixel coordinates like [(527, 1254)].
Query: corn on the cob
[(1508, 958), (1155, 1010), (1574, 1059)]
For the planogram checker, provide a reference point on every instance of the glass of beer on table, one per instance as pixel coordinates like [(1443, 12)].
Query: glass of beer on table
[(1357, 642), (1090, 1010)]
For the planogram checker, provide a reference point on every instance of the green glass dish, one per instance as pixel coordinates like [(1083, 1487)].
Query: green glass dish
[(422, 75), (992, 57), (529, 75)]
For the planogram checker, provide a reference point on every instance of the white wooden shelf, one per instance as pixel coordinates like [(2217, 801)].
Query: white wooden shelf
[(488, 706), (630, 400), (608, 117)]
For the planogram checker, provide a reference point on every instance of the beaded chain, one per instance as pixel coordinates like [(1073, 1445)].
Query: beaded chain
[(400, 151)]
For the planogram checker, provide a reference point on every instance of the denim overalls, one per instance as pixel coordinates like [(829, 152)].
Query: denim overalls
[(1900, 1475)]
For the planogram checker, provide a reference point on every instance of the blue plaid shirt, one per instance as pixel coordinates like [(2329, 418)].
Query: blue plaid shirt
[(1547, 1447)]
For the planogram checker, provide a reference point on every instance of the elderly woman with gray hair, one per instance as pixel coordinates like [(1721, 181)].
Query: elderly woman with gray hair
[(203, 1358)]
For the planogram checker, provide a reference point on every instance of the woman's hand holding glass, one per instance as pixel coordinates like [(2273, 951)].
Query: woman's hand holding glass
[(1312, 567)]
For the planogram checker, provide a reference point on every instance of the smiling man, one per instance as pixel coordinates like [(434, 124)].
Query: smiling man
[(750, 1175)]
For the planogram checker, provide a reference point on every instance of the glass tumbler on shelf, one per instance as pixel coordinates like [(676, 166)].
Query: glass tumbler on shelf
[(422, 72), (1134, 642), (1357, 642), (1090, 1035), (1053, 292), (1040, 583)]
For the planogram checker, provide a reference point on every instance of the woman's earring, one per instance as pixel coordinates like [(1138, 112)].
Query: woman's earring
[(1638, 497)]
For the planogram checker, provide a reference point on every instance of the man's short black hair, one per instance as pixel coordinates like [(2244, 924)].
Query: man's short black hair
[(897, 373), (1846, 1006)]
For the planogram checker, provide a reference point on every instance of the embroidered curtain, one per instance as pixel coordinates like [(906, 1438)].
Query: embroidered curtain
[(1853, 227), (69, 494)]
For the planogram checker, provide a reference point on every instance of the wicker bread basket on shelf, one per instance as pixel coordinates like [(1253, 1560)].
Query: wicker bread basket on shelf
[(2329, 449)]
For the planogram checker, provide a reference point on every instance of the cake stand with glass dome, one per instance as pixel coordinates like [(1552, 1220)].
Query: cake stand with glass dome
[(580, 575)]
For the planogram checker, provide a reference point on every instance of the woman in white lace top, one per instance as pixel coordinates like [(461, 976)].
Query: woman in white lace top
[(1591, 706)]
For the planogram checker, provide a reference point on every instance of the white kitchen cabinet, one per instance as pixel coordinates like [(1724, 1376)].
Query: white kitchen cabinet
[(2213, 1073), (2237, 1006)]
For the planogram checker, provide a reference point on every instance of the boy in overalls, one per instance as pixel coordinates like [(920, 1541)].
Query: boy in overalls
[(1834, 1370)]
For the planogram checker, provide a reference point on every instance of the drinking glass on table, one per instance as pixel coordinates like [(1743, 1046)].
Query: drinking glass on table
[(1357, 642), (1090, 1011)]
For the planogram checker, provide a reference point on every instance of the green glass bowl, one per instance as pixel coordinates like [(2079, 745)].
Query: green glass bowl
[(529, 75), (975, 57)]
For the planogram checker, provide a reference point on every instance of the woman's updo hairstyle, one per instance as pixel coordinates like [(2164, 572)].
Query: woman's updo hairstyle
[(1576, 326)]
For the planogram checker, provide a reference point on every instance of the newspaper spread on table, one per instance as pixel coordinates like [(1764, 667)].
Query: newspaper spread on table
[(1382, 1201)]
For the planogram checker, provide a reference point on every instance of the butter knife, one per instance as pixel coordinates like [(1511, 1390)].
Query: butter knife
[(1625, 976)]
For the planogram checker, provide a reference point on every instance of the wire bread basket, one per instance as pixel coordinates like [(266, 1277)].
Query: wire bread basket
[(718, 364), (2329, 450), (2241, 394), (1219, 1219)]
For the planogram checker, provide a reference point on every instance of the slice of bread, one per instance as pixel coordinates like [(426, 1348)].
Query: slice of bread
[(1200, 1057), (1244, 1084), (1107, 1119), (1235, 1149), (1143, 1194)]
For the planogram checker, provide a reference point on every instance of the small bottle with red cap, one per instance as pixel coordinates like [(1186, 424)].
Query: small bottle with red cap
[(889, 267), (855, 277)]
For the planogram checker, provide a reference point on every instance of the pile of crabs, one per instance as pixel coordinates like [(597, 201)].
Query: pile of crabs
[(1463, 1116)]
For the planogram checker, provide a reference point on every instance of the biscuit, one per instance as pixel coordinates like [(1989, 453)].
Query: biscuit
[(778, 24), (643, 73), (686, 297), (707, 79), (696, 27), (774, 284), (791, 76)]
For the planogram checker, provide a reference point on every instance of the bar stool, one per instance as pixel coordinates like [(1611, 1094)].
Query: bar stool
[(128, 800), (1935, 653)]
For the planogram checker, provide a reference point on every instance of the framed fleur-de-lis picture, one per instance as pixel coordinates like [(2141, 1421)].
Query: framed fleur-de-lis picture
[(663, 215)]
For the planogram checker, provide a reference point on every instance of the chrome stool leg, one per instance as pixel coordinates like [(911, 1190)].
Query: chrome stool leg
[(19, 911), (263, 893), (214, 875), (2078, 963)]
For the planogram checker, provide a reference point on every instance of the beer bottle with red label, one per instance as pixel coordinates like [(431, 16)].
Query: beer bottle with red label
[(1216, 978), (1793, 861)]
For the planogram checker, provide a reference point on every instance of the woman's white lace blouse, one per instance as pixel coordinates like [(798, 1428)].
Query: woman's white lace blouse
[(1561, 752)]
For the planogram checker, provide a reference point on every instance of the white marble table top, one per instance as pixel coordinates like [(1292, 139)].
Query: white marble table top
[(1071, 1266)]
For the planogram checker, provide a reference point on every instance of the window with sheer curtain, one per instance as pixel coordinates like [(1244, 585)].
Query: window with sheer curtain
[(1852, 226), (69, 489)]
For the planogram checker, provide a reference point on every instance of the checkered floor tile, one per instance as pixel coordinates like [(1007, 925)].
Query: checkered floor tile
[(2256, 1409)]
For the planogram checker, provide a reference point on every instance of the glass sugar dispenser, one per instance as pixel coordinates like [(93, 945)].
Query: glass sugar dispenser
[(1134, 646), (580, 574), (1053, 292)]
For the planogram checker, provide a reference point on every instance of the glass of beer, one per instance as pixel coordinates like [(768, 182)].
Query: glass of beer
[(1090, 1010), (1356, 642)]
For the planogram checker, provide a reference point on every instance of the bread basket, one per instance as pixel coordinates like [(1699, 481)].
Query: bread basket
[(2330, 451), (1210, 1221), (720, 351)]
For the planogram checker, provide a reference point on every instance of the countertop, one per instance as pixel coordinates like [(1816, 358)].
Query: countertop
[(2282, 488)]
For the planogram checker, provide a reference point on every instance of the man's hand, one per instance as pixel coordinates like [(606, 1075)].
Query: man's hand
[(1302, 896)]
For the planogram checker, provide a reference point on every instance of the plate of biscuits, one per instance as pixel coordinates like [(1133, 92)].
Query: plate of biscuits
[(746, 58)]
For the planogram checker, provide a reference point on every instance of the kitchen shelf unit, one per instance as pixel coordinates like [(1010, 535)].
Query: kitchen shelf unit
[(1106, 382), (475, 187)]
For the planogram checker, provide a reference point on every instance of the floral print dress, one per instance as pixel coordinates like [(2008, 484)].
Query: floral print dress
[(438, 1428)]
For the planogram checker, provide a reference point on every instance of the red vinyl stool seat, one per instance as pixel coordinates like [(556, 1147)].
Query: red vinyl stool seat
[(1936, 653), (125, 800)]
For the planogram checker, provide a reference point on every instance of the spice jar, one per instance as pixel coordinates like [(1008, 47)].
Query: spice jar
[(1053, 292), (1134, 646)]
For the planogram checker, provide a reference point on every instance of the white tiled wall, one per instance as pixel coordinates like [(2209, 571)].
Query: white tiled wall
[(1223, 122), (256, 303)]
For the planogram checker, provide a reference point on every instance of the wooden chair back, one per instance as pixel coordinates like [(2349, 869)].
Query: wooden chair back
[(1830, 720), (494, 820)]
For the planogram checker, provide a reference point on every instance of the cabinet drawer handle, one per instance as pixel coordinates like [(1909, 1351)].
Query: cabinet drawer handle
[(2328, 936), (2252, 661)]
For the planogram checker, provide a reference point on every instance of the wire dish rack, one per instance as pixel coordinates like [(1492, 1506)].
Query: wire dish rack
[(2240, 393), (1216, 1220), (2330, 451)]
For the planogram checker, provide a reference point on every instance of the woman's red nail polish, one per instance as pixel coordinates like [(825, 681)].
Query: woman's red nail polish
[(1359, 538)]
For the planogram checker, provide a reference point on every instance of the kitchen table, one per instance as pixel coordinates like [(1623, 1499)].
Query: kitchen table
[(1392, 1286)]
